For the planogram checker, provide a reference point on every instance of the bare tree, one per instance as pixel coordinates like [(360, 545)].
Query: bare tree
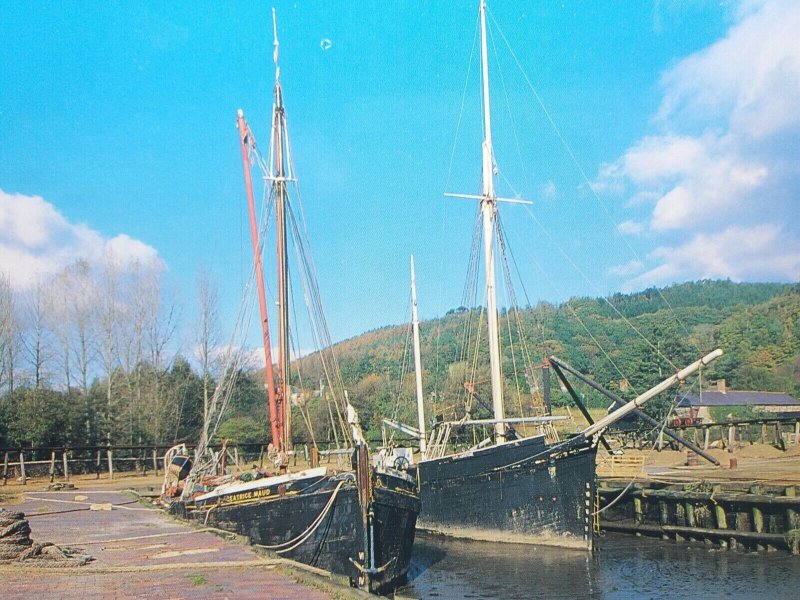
[(146, 327), (8, 334), (36, 340), (207, 338), (160, 323), (107, 319), (83, 298), (55, 300)]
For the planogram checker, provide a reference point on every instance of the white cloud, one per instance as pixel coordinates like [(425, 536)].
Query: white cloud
[(631, 227), (762, 252), (37, 241), (751, 76), (626, 270), (724, 160), (549, 190)]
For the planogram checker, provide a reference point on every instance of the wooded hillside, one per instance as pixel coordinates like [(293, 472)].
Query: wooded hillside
[(638, 338)]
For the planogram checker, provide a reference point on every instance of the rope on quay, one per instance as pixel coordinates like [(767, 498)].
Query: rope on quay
[(142, 537), (93, 570), (88, 504)]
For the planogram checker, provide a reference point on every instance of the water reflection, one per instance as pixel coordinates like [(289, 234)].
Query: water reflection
[(623, 568)]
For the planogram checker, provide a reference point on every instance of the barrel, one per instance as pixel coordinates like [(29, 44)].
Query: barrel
[(179, 467)]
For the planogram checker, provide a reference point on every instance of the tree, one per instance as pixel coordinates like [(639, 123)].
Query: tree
[(107, 316), (39, 418), (206, 337), (8, 334), (36, 340)]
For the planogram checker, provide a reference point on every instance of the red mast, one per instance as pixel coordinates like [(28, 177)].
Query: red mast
[(274, 418)]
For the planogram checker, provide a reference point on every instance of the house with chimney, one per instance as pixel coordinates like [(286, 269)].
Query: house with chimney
[(697, 406)]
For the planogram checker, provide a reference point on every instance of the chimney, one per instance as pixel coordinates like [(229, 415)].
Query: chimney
[(721, 386)]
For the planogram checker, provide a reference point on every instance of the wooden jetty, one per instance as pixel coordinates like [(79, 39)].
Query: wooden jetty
[(730, 515)]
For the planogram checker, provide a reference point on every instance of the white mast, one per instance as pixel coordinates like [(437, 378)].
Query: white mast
[(417, 361), (280, 152), (489, 214)]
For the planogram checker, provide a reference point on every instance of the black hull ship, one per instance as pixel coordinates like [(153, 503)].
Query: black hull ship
[(357, 522), (319, 517), (533, 490), (509, 486), (521, 491)]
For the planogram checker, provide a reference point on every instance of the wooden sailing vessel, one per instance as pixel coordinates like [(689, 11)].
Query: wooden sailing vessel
[(357, 522), (536, 489)]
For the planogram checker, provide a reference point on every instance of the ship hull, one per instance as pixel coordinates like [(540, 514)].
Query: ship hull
[(323, 527), (524, 491)]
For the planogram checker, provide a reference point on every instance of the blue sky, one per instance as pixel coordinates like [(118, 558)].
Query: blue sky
[(117, 126)]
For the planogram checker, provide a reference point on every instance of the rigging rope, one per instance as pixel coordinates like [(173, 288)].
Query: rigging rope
[(579, 168)]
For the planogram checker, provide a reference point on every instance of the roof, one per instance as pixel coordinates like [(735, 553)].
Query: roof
[(733, 398)]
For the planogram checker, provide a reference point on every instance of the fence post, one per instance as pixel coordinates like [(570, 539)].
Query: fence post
[(5, 469), (155, 461), (144, 462), (110, 464), (52, 466), (66, 465), (97, 465), (22, 468)]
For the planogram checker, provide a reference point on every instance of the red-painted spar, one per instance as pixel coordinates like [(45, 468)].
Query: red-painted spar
[(274, 417)]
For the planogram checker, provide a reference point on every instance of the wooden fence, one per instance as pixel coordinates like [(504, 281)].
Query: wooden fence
[(104, 461), (778, 431)]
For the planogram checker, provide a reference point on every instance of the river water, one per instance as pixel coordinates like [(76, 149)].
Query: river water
[(621, 568)]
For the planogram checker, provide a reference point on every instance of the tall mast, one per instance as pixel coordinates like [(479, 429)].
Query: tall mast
[(269, 376), (279, 188), (489, 214), (417, 361)]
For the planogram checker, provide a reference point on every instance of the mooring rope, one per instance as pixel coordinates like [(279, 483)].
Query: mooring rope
[(615, 500), (295, 542)]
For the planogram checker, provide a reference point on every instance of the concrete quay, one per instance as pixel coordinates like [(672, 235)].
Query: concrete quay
[(141, 552)]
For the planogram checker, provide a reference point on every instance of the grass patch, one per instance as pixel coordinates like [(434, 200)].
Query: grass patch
[(197, 580)]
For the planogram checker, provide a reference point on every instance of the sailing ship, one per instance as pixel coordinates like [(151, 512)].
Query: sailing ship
[(509, 487), (359, 521)]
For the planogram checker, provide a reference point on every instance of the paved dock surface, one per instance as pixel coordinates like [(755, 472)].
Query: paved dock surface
[(141, 552)]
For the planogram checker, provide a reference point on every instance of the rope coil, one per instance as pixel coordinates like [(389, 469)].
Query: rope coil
[(16, 545)]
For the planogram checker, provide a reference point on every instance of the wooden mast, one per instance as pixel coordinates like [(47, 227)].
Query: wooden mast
[(280, 190), (245, 139), (489, 215), (417, 362)]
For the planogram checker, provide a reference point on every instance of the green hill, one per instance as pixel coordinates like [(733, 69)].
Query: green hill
[(641, 337)]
